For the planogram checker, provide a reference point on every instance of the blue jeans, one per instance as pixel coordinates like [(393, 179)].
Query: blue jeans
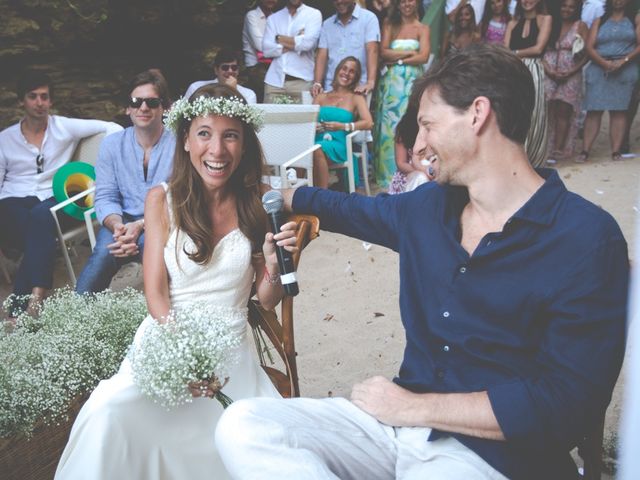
[(27, 226), (102, 266)]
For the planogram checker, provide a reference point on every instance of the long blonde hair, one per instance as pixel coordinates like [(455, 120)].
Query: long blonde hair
[(189, 201)]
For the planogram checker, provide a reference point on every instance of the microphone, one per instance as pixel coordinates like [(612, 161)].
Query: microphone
[(273, 202)]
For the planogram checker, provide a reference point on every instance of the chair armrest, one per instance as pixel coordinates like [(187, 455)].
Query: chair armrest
[(70, 200), (89, 223), (288, 163)]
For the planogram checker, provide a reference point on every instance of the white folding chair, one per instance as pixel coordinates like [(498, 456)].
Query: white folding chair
[(87, 151), (287, 139)]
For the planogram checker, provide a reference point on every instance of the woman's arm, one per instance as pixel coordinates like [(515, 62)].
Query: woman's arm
[(544, 26), (403, 163), (583, 31), (365, 122), (591, 47), (634, 53), (156, 277), (507, 33), (445, 44), (422, 55), (388, 55), (268, 287)]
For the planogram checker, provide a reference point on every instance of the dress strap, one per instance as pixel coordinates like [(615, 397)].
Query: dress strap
[(165, 185)]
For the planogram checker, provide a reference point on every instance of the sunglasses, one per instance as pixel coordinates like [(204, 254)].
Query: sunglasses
[(225, 67), (152, 102), (40, 162)]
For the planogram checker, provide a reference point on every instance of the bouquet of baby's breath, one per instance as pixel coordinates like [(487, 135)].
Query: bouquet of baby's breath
[(196, 344), (51, 358)]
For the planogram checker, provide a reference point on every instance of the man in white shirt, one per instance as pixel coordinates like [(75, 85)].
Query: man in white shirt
[(352, 31), (31, 152), (291, 38), (255, 22), (226, 68)]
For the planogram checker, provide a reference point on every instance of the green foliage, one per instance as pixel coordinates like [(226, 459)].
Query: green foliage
[(74, 342)]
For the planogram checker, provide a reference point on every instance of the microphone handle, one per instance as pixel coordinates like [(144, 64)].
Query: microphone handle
[(285, 260)]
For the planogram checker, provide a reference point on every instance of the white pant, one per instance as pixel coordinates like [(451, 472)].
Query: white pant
[(304, 438)]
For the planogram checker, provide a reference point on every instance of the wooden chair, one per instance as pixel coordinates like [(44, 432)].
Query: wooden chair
[(590, 449), (87, 151), (280, 333), (288, 140)]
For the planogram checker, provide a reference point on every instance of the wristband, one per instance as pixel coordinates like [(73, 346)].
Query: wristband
[(317, 83)]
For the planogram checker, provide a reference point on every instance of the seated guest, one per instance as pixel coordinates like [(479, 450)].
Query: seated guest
[(463, 33), (226, 68), (31, 151), (341, 111), (255, 21), (495, 19), (413, 170), (513, 296), (129, 164)]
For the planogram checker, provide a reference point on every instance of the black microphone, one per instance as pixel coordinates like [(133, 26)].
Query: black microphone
[(273, 202)]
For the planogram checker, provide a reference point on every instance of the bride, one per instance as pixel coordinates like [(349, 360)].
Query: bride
[(206, 242)]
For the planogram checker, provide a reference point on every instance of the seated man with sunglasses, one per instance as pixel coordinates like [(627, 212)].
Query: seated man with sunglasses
[(226, 68), (129, 164), (31, 151)]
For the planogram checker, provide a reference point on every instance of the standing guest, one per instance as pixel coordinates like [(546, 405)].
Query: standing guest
[(226, 68), (527, 35), (31, 151), (207, 246), (452, 7), (342, 110), (413, 170), (352, 31), (380, 9), (613, 45), (592, 9), (513, 296), (463, 33), (130, 163), (404, 51), (291, 38), (563, 78), (495, 19), (255, 22)]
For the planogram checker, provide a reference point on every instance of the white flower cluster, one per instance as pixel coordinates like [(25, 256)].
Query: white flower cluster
[(194, 344), (76, 341), (204, 106)]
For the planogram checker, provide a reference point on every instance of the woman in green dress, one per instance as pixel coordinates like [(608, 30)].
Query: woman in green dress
[(404, 50), (341, 111)]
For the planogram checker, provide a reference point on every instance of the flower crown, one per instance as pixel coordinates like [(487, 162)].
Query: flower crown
[(203, 106)]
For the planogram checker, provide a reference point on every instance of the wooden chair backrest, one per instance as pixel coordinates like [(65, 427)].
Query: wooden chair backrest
[(281, 333)]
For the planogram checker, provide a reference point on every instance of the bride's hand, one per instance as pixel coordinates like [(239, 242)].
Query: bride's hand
[(206, 388), (286, 238)]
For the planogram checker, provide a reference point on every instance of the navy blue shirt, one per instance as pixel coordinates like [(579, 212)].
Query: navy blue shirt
[(535, 316)]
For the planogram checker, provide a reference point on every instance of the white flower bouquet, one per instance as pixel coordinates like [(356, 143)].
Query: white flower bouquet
[(196, 344)]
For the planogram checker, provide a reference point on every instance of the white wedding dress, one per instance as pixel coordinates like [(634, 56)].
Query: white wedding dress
[(121, 434)]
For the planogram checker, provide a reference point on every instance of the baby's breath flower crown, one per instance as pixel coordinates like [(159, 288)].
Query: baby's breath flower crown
[(203, 106)]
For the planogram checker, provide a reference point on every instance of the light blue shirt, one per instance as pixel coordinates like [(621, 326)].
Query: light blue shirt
[(351, 39), (121, 186)]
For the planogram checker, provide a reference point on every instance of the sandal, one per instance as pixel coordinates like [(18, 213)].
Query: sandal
[(582, 157), (615, 156)]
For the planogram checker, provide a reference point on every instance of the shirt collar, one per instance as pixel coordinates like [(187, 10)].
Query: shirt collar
[(355, 14), (541, 208)]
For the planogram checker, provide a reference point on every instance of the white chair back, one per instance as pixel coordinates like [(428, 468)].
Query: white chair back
[(87, 149), (287, 138)]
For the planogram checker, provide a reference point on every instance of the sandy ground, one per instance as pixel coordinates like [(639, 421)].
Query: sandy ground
[(347, 317)]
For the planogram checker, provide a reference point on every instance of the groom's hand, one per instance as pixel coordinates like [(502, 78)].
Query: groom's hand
[(385, 401)]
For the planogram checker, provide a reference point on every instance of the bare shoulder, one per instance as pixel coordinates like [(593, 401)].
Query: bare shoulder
[(543, 20)]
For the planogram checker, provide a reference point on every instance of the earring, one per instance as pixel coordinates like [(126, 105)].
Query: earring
[(186, 149)]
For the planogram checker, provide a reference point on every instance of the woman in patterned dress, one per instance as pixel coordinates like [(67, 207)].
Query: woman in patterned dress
[(563, 78), (404, 51)]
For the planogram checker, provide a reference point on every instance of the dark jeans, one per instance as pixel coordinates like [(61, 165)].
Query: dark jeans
[(27, 226), (102, 266)]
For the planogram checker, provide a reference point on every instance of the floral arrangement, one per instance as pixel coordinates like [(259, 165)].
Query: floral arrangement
[(203, 106), (283, 99), (195, 344), (72, 343)]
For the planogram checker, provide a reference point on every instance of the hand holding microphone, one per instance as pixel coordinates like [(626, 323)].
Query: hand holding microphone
[(273, 203)]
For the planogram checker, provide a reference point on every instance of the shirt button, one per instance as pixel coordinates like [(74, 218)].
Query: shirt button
[(445, 314), (440, 373), (488, 243), (445, 348), (463, 269)]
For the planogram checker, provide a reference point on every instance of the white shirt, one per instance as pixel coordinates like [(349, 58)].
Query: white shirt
[(304, 26), (478, 7), (592, 9), (18, 169), (248, 94), (255, 22)]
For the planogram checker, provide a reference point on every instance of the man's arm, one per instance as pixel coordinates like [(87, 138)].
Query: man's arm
[(307, 39), (80, 128), (254, 31), (319, 70), (108, 200), (466, 413), (271, 48), (3, 167), (373, 49)]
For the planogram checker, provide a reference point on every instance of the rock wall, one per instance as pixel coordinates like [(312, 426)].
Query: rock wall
[(91, 48)]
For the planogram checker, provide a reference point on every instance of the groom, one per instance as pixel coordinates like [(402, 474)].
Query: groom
[(513, 296)]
